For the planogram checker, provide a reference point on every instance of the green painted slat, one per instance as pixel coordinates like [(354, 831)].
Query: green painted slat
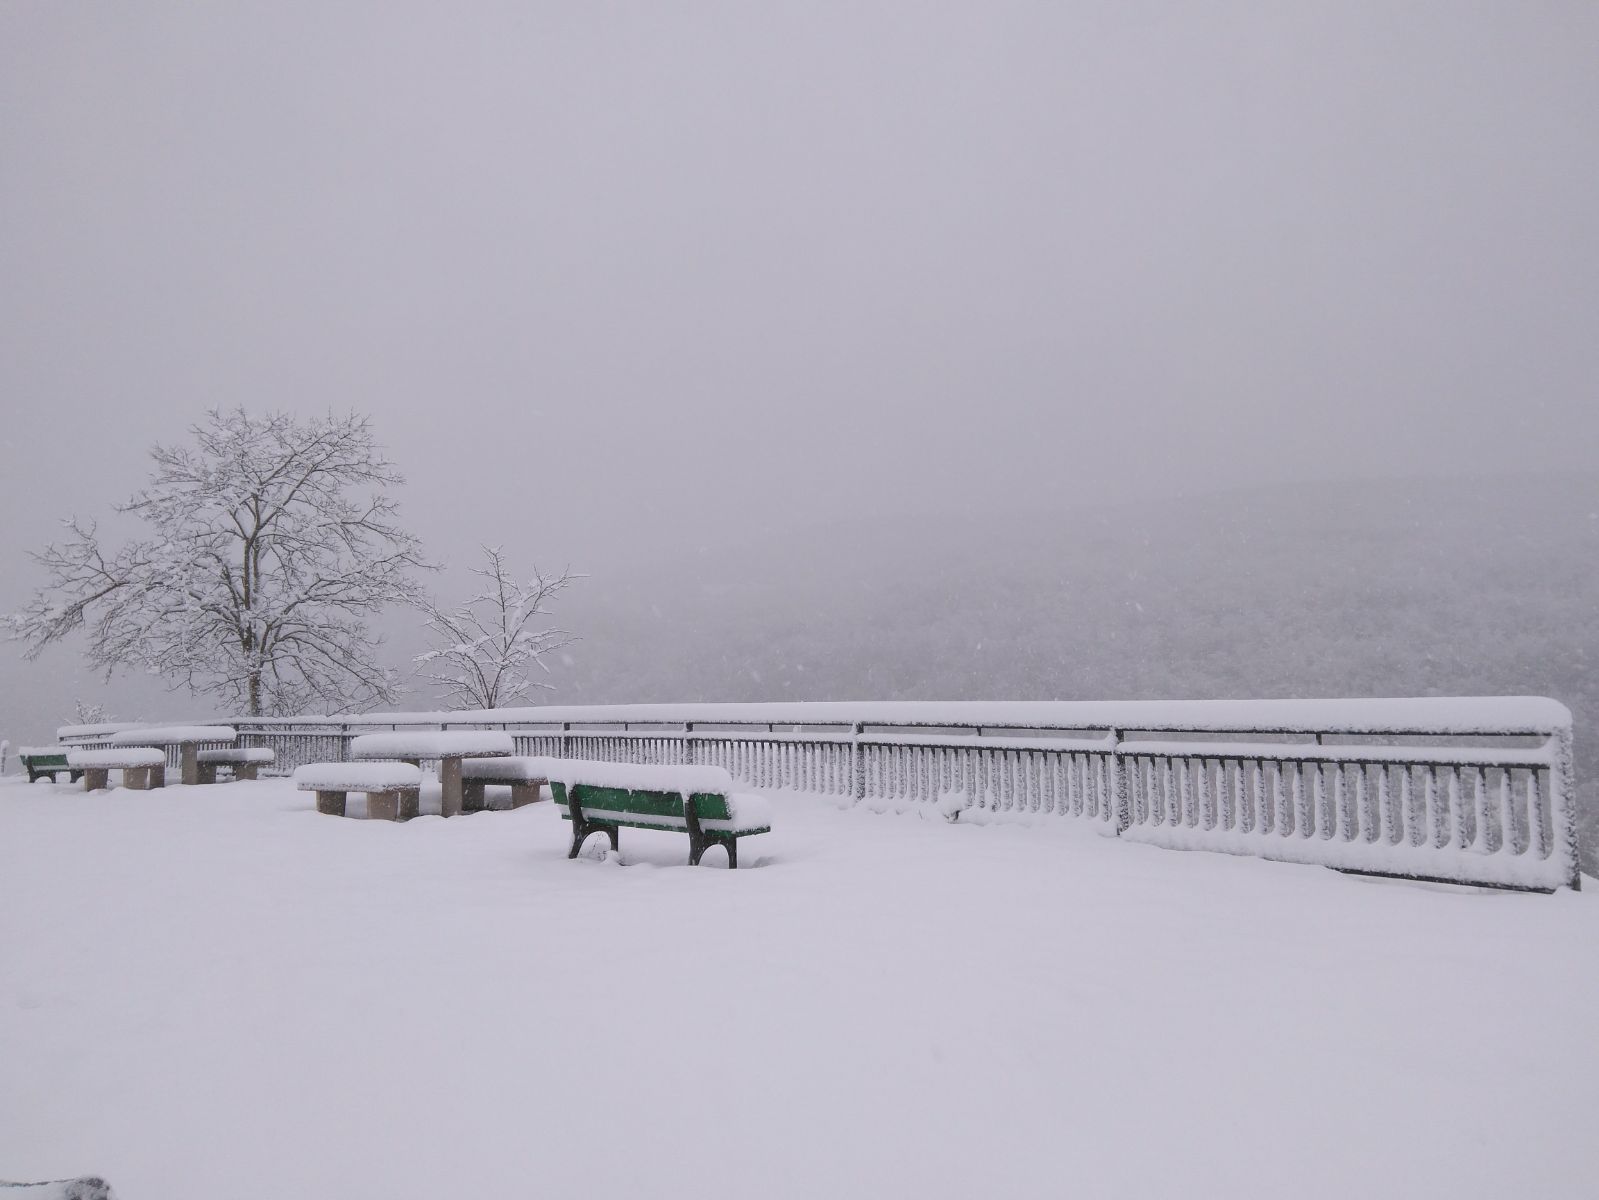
[(710, 806)]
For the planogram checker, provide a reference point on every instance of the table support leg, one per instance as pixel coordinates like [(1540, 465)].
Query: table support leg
[(450, 782)]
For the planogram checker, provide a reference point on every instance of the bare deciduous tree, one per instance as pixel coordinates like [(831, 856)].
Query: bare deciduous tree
[(271, 543), (483, 650)]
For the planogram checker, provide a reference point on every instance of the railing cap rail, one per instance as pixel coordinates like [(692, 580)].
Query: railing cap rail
[(1430, 715)]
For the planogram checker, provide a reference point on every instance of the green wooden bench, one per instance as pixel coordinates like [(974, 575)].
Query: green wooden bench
[(47, 760), (606, 797)]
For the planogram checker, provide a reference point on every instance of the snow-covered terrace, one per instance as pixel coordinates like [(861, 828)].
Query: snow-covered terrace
[(216, 992)]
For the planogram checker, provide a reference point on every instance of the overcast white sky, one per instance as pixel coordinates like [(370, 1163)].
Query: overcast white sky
[(602, 272)]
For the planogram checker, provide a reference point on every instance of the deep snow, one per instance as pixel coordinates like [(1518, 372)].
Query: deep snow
[(217, 992)]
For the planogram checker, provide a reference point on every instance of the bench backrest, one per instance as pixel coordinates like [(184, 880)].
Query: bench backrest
[(708, 806), (53, 759)]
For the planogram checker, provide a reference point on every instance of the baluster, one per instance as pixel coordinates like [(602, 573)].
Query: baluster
[(1264, 817), (1430, 802), (1479, 833), (1387, 826), (1510, 841), (1457, 815)]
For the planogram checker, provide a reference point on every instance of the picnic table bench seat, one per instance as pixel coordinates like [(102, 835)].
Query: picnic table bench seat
[(46, 761), (244, 761), (392, 788), (700, 801), (524, 775), (142, 767)]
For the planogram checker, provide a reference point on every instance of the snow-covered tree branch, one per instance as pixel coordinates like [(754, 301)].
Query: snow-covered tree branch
[(483, 649), (271, 542)]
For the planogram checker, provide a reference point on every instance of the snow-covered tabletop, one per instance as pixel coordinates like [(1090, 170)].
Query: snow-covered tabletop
[(432, 743), (448, 746), (174, 735)]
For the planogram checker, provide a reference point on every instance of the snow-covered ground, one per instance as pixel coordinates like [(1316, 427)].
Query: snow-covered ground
[(215, 992)]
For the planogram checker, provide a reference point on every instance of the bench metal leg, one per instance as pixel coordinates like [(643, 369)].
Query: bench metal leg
[(582, 828), (330, 803), (699, 840)]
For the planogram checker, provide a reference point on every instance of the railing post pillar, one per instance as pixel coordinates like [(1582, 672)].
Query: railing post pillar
[(566, 739), (1124, 816), (857, 761), (1562, 806), (689, 755)]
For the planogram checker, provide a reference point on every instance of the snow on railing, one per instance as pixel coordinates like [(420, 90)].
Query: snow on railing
[(1468, 789)]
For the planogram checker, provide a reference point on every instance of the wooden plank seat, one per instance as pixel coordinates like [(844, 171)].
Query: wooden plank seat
[(46, 761), (392, 788), (142, 767), (243, 761), (525, 776), (600, 797)]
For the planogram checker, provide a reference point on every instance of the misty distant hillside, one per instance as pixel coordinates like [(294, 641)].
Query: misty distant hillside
[(1380, 589)]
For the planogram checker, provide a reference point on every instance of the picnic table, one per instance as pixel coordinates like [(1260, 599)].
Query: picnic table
[(447, 746), (188, 738)]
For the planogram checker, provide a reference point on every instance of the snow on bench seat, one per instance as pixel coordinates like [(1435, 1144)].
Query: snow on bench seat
[(238, 754), (174, 735), (686, 780), (244, 761), (516, 769), (357, 777), (431, 744), (126, 756)]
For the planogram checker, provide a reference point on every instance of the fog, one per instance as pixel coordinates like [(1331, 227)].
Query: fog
[(625, 285)]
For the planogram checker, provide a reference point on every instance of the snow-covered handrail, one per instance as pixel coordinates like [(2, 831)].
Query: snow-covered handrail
[(1464, 715), (1467, 789)]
